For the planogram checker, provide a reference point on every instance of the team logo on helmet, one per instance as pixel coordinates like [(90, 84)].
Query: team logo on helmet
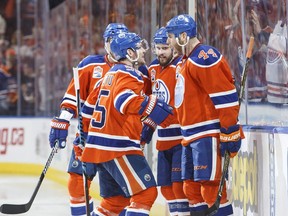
[(122, 35), (113, 29), (181, 17), (182, 23)]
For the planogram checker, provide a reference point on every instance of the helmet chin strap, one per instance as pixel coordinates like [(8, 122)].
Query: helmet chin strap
[(133, 60), (183, 45), (106, 48), (111, 57), (108, 51)]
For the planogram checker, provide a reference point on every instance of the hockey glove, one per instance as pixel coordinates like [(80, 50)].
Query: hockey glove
[(58, 132), (79, 146), (157, 110), (230, 140), (148, 129)]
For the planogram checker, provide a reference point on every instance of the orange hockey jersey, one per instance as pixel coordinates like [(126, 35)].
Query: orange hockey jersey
[(115, 126), (205, 96), (89, 104), (163, 81), (90, 69)]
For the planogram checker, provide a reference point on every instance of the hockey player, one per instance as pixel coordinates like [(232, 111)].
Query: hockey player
[(91, 69), (207, 106), (162, 72), (113, 141)]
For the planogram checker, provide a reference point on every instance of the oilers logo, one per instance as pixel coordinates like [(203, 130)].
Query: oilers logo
[(179, 91), (147, 177), (161, 91), (97, 72), (75, 164)]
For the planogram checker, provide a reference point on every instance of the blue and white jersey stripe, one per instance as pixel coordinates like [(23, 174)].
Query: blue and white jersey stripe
[(173, 132), (205, 128), (69, 99), (122, 99), (225, 99), (111, 142), (87, 110)]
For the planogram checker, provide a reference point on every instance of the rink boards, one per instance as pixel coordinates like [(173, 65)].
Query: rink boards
[(257, 178)]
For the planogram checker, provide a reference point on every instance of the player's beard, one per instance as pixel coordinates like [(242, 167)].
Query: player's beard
[(163, 60)]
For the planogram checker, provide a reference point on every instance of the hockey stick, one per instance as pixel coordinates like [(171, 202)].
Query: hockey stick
[(82, 140), (22, 208), (214, 208)]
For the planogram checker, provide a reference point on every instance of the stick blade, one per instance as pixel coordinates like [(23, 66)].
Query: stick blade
[(14, 208)]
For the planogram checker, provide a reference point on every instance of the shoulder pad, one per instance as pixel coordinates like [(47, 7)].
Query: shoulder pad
[(176, 60), (143, 69), (91, 59), (154, 62), (118, 67), (205, 55)]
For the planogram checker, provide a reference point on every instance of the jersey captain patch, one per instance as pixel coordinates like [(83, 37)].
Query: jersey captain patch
[(153, 75), (97, 72)]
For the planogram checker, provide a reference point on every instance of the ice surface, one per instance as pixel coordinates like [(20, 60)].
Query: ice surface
[(51, 199)]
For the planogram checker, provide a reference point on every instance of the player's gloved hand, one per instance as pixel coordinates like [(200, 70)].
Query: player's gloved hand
[(148, 129), (79, 146), (230, 140), (157, 110), (58, 132)]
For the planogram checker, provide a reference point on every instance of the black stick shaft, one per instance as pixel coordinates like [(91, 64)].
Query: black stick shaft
[(22, 208)]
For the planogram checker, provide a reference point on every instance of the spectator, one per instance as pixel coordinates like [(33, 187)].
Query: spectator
[(2, 27), (8, 87), (28, 87), (276, 66), (4, 106), (256, 22), (11, 67)]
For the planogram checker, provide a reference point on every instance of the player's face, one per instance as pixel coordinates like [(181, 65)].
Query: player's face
[(141, 53), (173, 43), (142, 48), (164, 53)]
